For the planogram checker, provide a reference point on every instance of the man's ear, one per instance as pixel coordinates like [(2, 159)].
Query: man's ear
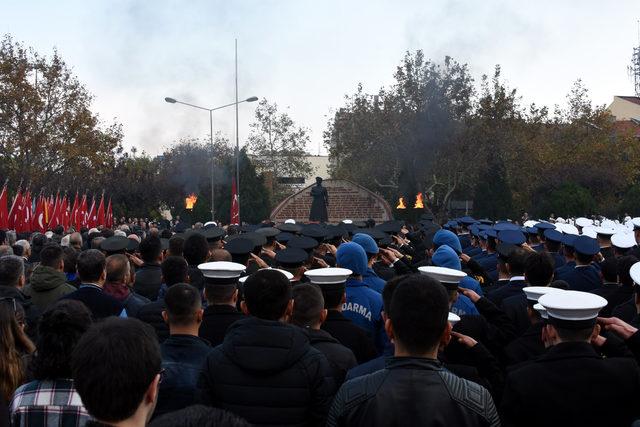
[(445, 338), (151, 396), (343, 301), (61, 265), (289, 311), (165, 317), (595, 332), (235, 296), (388, 328), (199, 315), (323, 315), (384, 316), (21, 281), (244, 308)]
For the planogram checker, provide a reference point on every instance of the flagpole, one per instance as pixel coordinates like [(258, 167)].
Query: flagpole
[(237, 138)]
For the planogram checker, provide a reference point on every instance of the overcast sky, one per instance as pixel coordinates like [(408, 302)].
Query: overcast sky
[(306, 55)]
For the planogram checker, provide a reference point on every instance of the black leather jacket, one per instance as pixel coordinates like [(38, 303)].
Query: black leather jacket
[(412, 391)]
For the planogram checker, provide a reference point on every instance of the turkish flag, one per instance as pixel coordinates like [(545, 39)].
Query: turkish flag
[(4, 214), (15, 213), (100, 213), (64, 216), (54, 219), (92, 217), (39, 221), (109, 219), (27, 214), (235, 205), (83, 215), (74, 213)]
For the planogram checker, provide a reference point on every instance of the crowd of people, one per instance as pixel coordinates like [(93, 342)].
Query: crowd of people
[(469, 323)]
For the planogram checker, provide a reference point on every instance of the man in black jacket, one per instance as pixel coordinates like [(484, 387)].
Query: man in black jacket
[(570, 384), (149, 276), (265, 370), (222, 296), (309, 313), (414, 388), (174, 270)]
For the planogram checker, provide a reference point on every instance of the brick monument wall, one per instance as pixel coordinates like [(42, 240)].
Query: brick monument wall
[(347, 200)]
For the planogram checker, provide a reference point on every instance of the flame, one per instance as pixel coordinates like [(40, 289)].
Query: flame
[(401, 204), (190, 201), (419, 203)]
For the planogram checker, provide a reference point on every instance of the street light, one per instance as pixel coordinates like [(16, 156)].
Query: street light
[(211, 110)]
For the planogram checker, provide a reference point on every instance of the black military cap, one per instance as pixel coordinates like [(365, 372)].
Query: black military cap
[(257, 239), (360, 224), (114, 245), (132, 245), (284, 237), (317, 232), (268, 232), (213, 234), (375, 233), (248, 228), (291, 257), (392, 227), (303, 242), (239, 246), (290, 228), (426, 217)]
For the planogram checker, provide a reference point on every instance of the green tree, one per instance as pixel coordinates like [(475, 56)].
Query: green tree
[(278, 147), (569, 199)]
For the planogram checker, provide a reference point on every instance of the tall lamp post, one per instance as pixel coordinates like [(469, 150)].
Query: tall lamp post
[(211, 110)]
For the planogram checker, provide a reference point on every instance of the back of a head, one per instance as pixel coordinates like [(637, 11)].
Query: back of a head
[(199, 416), (419, 313), (174, 270), (176, 245), (196, 249), (17, 250), (70, 260), (183, 301), (97, 241), (117, 267), (51, 255), (91, 265), (308, 304), (539, 268), (518, 261), (11, 270), (267, 294), (388, 290), (75, 239), (5, 250), (150, 249), (113, 365), (220, 255), (624, 266), (59, 330), (609, 270)]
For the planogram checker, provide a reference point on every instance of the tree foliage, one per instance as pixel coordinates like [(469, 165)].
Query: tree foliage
[(278, 146)]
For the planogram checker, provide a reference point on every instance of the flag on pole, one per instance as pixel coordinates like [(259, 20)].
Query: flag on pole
[(109, 219), (27, 214), (15, 213), (92, 217), (100, 213), (65, 217), (235, 208), (39, 220), (4, 214), (74, 213), (54, 219), (83, 215)]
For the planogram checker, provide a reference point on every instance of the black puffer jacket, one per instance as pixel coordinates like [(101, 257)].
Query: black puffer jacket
[(152, 314), (267, 373)]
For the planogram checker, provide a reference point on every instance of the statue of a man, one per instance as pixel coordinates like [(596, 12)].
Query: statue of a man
[(320, 202)]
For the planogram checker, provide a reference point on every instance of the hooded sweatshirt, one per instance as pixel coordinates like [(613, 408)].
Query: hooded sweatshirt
[(47, 285), (446, 257)]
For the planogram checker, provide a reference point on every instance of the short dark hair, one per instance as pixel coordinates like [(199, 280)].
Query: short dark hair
[(307, 306), (113, 365), (552, 245), (583, 258), (196, 249), (91, 264), (267, 294), (59, 330), (182, 302), (51, 255), (17, 250), (59, 230), (11, 269), (150, 249), (199, 416), (517, 261), (333, 296), (70, 260), (609, 269), (419, 313), (574, 335), (117, 267), (176, 245), (219, 294), (624, 266), (174, 270), (539, 268)]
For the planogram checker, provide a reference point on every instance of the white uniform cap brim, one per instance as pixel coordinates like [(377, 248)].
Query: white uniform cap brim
[(540, 309), (534, 293), (607, 231), (221, 269), (530, 223), (208, 223), (443, 274), (288, 275), (347, 221), (623, 240), (453, 318), (328, 276), (290, 221), (572, 305), (583, 222), (589, 231), (634, 272)]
